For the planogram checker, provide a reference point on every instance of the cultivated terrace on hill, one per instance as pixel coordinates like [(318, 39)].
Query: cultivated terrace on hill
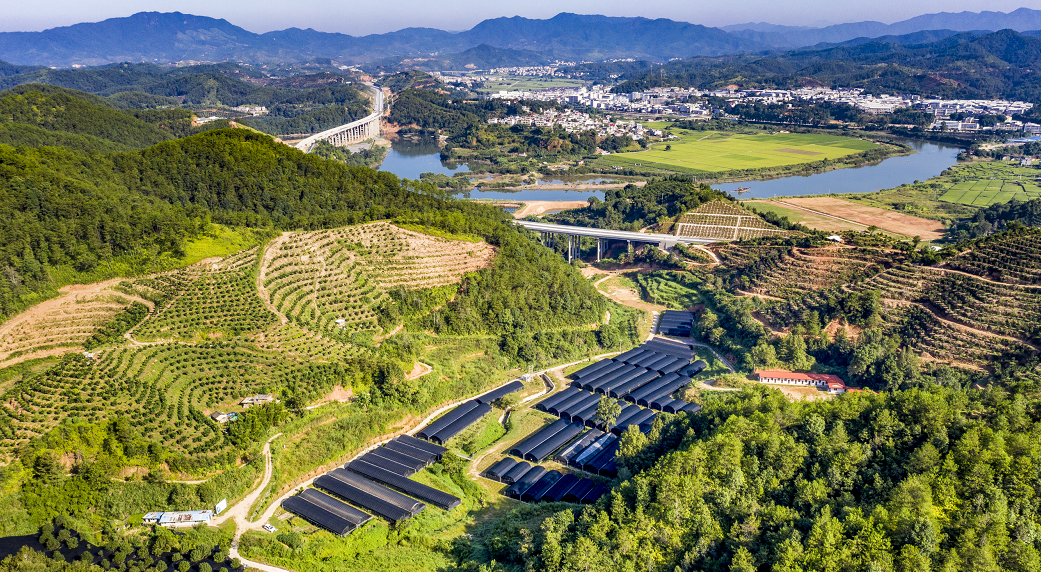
[(234, 265)]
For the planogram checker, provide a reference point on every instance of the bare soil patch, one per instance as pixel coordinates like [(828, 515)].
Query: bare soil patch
[(419, 369), (540, 207), (891, 221), (796, 393)]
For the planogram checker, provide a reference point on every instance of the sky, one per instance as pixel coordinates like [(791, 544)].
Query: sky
[(361, 18)]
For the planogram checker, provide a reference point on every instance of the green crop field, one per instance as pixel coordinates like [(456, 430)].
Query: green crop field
[(529, 83), (712, 151), (985, 184)]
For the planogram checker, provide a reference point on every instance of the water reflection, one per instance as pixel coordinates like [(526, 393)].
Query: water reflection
[(408, 159)]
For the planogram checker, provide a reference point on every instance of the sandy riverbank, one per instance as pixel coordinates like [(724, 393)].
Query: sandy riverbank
[(541, 207)]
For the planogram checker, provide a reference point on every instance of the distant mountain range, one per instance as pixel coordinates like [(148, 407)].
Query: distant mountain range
[(176, 37)]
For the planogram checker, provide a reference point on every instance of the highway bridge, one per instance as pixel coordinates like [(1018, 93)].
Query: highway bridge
[(360, 130), (602, 235)]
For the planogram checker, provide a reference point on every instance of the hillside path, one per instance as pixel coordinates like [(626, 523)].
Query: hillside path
[(265, 261)]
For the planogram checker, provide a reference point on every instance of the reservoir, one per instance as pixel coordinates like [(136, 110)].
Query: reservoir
[(930, 160)]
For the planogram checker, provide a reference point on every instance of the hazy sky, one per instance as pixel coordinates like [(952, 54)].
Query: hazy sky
[(359, 18)]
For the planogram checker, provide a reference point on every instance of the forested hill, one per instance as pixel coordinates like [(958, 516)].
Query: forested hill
[(1002, 64), (70, 210), (939, 479), (37, 115)]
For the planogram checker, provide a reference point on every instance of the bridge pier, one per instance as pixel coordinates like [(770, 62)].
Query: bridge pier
[(601, 246), (570, 247)]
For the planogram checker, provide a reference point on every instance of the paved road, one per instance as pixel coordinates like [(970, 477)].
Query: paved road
[(667, 239)]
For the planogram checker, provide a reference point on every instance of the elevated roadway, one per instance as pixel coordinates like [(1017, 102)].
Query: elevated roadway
[(663, 241), (343, 135)]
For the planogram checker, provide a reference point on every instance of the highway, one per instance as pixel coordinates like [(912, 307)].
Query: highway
[(662, 240), (354, 131)]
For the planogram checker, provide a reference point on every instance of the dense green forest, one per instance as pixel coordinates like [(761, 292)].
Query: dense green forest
[(998, 217), (937, 479), (633, 208), (294, 106), (999, 65)]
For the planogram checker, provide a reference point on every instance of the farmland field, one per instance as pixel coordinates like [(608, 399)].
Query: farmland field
[(804, 217), (709, 151), (529, 84), (985, 184)]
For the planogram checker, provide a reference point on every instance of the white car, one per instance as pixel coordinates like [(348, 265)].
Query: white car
[(269, 528)]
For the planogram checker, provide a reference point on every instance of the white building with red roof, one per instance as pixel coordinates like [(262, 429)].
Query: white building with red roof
[(831, 383)]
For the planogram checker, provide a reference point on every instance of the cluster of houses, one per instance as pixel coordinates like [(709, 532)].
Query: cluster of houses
[(578, 122), (687, 102)]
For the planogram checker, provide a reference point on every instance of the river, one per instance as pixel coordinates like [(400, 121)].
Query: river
[(930, 160), (410, 158)]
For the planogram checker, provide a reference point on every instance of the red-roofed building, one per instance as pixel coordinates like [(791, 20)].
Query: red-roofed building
[(832, 383)]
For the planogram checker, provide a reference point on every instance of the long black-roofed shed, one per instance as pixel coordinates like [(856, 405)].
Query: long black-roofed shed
[(499, 469), (396, 445), (594, 494), (422, 445), (621, 391), (556, 398), (412, 488), (579, 490), (547, 447), (361, 498), (578, 446), (377, 490), (327, 502), (538, 438), (610, 370), (521, 485), (447, 419), (471, 417), (671, 347), (564, 404), (388, 464), (318, 516), (516, 473), (326, 512), (587, 401), (498, 392), (557, 491), (412, 463), (535, 491), (592, 369)]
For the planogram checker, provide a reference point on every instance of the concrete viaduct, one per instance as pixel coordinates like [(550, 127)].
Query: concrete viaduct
[(602, 235), (360, 130)]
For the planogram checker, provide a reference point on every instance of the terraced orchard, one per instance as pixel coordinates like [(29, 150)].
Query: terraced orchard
[(211, 299), (725, 221), (260, 321), (64, 323), (1015, 259), (330, 281), (791, 272)]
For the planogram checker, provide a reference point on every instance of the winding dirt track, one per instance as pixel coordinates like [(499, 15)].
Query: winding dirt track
[(69, 298), (265, 261)]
